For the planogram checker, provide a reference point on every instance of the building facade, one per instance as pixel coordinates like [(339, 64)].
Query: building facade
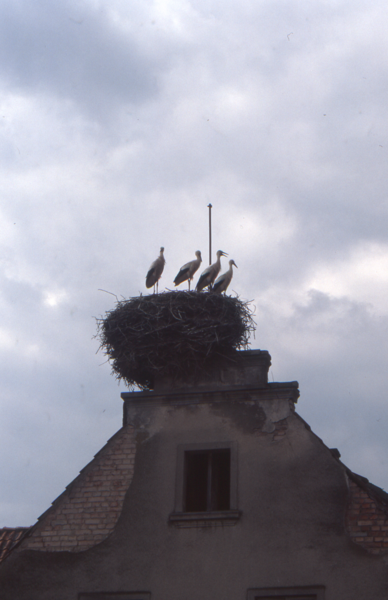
[(215, 489)]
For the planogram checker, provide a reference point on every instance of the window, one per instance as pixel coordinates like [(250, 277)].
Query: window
[(206, 485), (287, 597), (301, 593), (207, 480), (115, 596)]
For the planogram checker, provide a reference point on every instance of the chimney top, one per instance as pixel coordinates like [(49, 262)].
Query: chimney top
[(246, 368)]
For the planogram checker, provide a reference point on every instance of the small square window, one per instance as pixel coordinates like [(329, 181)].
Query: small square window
[(301, 593), (206, 485), (308, 597), (207, 480), (115, 596)]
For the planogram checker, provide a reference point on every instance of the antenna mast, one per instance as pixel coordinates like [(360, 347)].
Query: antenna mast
[(210, 233)]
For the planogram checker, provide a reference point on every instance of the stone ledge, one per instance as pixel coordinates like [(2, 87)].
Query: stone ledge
[(205, 519)]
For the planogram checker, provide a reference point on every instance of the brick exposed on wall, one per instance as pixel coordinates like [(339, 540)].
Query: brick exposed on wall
[(9, 538), (87, 512), (367, 520), (280, 430)]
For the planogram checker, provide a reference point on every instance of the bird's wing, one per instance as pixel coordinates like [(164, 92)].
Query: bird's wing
[(215, 271), (218, 284), (183, 274), (203, 280), (150, 278), (181, 277), (152, 275)]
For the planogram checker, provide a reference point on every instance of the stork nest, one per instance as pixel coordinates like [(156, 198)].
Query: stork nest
[(172, 334)]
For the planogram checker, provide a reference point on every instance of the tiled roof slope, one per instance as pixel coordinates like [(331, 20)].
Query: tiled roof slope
[(9, 537), (87, 511)]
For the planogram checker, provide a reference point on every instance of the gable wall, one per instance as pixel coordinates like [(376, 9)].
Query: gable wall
[(292, 496), (367, 523), (86, 513)]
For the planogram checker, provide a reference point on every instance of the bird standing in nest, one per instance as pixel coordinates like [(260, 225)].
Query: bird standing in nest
[(155, 272), (186, 273), (209, 275), (222, 283)]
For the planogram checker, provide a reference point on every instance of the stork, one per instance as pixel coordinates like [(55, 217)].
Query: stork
[(188, 270), (208, 276), (155, 272), (221, 285)]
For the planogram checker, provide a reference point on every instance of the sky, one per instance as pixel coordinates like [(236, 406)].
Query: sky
[(120, 122)]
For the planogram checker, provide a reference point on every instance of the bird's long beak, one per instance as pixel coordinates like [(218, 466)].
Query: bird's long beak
[(223, 253)]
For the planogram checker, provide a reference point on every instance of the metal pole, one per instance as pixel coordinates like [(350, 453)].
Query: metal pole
[(210, 233), (209, 482)]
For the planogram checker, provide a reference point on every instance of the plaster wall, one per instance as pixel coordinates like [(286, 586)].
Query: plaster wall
[(291, 492)]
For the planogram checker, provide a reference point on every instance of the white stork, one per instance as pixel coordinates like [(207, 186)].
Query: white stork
[(186, 273), (155, 272), (221, 285), (208, 276)]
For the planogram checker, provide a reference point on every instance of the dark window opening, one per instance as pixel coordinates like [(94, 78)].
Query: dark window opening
[(316, 592), (115, 596), (286, 597), (207, 480)]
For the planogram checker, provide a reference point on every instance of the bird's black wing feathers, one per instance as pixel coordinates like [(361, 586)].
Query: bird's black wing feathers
[(217, 284), (201, 281), (149, 281), (182, 275)]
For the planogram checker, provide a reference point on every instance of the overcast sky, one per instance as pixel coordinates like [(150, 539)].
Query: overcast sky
[(120, 121)]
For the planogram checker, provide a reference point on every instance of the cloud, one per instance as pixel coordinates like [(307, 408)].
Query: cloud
[(76, 52), (337, 349), (363, 274), (120, 123)]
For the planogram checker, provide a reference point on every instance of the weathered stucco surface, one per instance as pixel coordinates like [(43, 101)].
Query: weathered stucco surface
[(292, 498)]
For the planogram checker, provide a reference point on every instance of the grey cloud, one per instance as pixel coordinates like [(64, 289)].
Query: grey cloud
[(337, 349), (119, 126), (85, 59)]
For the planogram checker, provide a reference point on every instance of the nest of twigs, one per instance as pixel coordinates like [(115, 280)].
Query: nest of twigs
[(174, 334)]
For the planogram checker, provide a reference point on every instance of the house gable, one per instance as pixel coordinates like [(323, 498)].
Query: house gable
[(125, 529), (88, 510)]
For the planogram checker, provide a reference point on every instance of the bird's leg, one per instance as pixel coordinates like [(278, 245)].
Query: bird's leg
[(157, 287), (189, 283)]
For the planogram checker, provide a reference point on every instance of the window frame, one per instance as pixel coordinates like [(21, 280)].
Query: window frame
[(205, 465), (290, 592), (114, 596), (187, 519)]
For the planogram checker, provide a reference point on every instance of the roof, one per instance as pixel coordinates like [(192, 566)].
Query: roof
[(9, 538), (87, 511), (92, 503), (379, 495)]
